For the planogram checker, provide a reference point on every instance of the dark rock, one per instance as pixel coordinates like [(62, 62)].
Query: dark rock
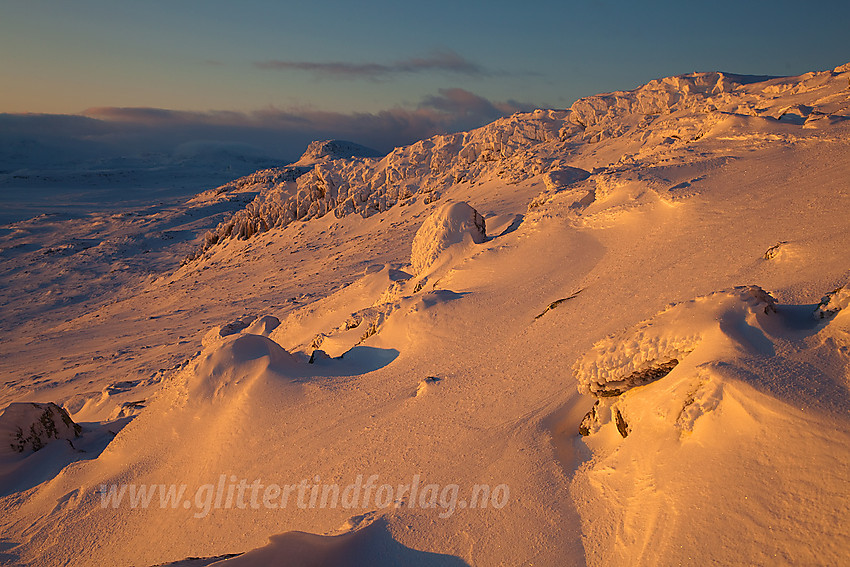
[(639, 378), (318, 354), (620, 421), (588, 420)]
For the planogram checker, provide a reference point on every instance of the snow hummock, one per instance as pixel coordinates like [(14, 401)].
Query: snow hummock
[(449, 225), (760, 390), (234, 364)]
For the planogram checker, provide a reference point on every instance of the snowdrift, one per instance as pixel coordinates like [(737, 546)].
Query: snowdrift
[(371, 544)]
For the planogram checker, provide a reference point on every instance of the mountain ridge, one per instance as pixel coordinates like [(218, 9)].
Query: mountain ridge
[(674, 110)]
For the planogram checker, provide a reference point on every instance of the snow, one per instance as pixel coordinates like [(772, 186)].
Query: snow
[(618, 363), (447, 226), (474, 300), (763, 388), (335, 149)]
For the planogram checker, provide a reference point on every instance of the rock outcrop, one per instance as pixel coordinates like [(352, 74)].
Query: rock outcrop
[(30, 426)]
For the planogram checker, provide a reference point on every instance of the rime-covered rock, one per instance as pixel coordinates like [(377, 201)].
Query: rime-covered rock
[(447, 226), (29, 426), (335, 149), (346, 178), (653, 349), (833, 302)]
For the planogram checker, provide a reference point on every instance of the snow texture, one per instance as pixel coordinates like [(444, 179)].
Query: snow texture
[(397, 337)]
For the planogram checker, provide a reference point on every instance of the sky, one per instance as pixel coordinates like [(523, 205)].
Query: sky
[(274, 75)]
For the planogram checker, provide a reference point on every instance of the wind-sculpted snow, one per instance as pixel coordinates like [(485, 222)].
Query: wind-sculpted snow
[(673, 110), (647, 353)]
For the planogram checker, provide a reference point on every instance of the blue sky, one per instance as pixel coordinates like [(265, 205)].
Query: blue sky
[(419, 67)]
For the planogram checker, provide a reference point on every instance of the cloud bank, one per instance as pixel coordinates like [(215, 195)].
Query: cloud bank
[(109, 132)]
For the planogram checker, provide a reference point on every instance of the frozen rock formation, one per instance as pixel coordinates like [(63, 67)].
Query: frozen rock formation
[(447, 226), (29, 426)]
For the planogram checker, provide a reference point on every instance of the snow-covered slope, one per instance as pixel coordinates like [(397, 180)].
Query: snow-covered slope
[(663, 270)]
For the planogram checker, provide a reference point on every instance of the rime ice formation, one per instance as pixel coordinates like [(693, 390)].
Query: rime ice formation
[(667, 112), (335, 149), (650, 351), (447, 226)]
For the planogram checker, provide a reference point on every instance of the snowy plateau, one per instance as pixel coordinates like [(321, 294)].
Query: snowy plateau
[(629, 321)]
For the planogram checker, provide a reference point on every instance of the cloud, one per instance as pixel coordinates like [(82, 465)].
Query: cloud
[(462, 103), (162, 116), (280, 133), (441, 60)]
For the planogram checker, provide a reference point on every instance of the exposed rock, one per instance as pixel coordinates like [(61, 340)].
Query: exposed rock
[(771, 252), (616, 387), (318, 354), (603, 412), (833, 302), (588, 420), (557, 302), (621, 424), (29, 426)]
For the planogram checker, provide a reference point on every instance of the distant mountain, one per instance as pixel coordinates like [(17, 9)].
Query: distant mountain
[(335, 149)]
